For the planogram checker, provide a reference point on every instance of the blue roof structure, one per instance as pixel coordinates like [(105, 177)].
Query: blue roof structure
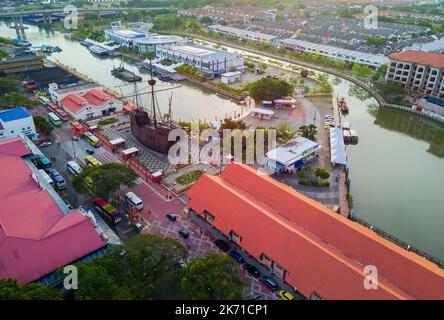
[(435, 101), (14, 114)]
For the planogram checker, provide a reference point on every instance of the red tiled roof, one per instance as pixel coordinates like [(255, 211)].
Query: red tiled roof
[(321, 250), (94, 98), (74, 102), (420, 57), (35, 236)]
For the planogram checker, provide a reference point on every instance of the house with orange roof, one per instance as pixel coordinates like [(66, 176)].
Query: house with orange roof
[(311, 248), (92, 103)]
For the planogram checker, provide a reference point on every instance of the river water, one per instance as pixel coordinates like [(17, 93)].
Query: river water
[(396, 170)]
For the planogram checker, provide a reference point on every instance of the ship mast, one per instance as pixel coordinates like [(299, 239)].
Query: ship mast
[(152, 83)]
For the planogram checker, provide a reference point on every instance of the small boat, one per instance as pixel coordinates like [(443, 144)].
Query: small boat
[(124, 74), (56, 49), (84, 43), (98, 51), (343, 105)]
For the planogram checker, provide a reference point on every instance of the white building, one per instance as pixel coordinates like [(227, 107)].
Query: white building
[(230, 77), (418, 71), (293, 155), (57, 93), (348, 56), (93, 104), (143, 41), (15, 122), (205, 59), (243, 34)]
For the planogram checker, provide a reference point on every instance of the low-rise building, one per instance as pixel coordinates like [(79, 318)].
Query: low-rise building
[(143, 41), (15, 122), (19, 64), (93, 103), (38, 232), (57, 92), (207, 60), (230, 77), (292, 155), (418, 71), (308, 246), (348, 56), (243, 34)]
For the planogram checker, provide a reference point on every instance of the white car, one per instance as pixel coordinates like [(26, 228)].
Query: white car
[(45, 144)]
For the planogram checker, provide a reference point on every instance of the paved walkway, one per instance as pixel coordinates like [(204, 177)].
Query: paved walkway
[(200, 240)]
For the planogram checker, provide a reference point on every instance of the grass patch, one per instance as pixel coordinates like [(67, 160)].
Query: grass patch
[(105, 122), (189, 177)]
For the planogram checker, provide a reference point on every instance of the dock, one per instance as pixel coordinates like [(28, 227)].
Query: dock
[(343, 203)]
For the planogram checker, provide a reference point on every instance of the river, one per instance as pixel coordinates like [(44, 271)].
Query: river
[(396, 170)]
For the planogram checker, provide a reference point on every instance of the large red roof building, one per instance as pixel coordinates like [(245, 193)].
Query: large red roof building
[(309, 246), (36, 237), (92, 104)]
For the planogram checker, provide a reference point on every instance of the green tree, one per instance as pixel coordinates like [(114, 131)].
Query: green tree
[(361, 71), (233, 124), (269, 89), (284, 132), (8, 84), (211, 277), (321, 173), (104, 180), (10, 290), (95, 283), (3, 54), (167, 22), (43, 125), (308, 132)]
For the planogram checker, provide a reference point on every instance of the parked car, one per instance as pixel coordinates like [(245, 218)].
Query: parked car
[(256, 297), (57, 178), (184, 234), (252, 270), (222, 245), (236, 256), (285, 295), (45, 144), (89, 151), (269, 283), (171, 216), (329, 116), (75, 138)]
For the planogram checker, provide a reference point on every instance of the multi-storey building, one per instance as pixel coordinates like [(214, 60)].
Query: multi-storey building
[(15, 122), (418, 71), (18, 64), (205, 59)]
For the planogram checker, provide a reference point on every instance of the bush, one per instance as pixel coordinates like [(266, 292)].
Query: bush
[(322, 173), (189, 177), (314, 183)]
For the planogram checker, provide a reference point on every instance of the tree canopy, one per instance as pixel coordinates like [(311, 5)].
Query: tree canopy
[(213, 277), (43, 125), (104, 180), (269, 89), (10, 290), (308, 132), (284, 132)]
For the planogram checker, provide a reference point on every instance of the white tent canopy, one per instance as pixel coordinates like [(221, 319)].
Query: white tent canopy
[(337, 147)]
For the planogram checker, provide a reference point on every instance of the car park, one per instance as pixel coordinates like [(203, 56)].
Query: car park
[(236, 256), (171, 216), (184, 234), (269, 283), (252, 270), (222, 245), (285, 295)]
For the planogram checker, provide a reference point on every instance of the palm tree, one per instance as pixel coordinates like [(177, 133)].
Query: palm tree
[(308, 132)]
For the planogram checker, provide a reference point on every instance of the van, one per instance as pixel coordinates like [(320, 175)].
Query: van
[(74, 167), (46, 177), (133, 200), (58, 179)]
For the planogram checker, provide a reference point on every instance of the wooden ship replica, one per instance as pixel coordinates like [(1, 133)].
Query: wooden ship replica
[(149, 128)]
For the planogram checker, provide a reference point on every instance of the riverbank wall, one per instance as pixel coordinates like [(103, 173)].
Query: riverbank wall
[(341, 74)]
